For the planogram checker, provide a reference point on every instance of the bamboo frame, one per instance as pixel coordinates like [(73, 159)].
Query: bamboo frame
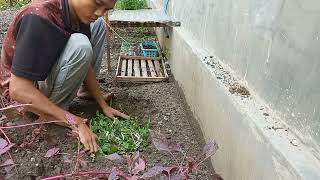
[(125, 24)]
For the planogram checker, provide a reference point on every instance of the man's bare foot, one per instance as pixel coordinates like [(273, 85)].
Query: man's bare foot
[(84, 94)]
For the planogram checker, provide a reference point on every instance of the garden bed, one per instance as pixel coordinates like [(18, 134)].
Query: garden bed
[(161, 102)]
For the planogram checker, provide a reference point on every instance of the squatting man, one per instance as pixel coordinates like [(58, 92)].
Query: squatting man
[(51, 53)]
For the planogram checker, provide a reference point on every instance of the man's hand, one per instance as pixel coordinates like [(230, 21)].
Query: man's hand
[(92, 86), (112, 113), (87, 138)]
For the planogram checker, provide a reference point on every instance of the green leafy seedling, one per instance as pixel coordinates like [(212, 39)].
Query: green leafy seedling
[(120, 135)]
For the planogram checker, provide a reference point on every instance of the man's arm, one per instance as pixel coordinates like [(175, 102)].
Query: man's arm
[(24, 91), (92, 86)]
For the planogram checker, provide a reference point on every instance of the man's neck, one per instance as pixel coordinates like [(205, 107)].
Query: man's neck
[(73, 17)]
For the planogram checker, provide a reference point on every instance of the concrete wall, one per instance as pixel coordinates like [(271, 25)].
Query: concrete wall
[(271, 47)]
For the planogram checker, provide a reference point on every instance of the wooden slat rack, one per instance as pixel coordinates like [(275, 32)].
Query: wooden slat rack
[(140, 69)]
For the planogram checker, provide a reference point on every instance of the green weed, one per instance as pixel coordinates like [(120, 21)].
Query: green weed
[(120, 135), (131, 4), (5, 4), (140, 30)]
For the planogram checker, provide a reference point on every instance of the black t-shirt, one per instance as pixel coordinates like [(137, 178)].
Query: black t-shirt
[(35, 40)]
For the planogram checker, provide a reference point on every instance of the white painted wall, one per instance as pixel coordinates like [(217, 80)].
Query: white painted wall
[(270, 46)]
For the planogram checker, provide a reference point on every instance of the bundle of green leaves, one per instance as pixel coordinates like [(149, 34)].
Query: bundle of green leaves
[(120, 135)]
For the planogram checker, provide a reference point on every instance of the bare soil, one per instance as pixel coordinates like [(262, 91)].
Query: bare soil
[(162, 101)]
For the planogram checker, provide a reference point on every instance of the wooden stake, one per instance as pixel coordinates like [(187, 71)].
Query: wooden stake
[(139, 79), (151, 68), (136, 68), (158, 69), (124, 67), (140, 57), (118, 67), (109, 32), (144, 68), (129, 67)]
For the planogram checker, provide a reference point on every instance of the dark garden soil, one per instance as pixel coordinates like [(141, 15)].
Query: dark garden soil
[(161, 101)]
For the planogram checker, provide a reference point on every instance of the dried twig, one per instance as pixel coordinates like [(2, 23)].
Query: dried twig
[(5, 135), (116, 33), (84, 173), (14, 106), (25, 125)]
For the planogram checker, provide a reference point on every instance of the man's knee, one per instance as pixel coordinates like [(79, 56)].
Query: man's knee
[(101, 23), (81, 47), (100, 27)]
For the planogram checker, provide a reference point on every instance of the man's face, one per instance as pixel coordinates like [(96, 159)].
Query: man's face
[(89, 10)]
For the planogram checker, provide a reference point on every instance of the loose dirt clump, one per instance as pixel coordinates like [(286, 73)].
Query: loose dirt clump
[(240, 90)]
